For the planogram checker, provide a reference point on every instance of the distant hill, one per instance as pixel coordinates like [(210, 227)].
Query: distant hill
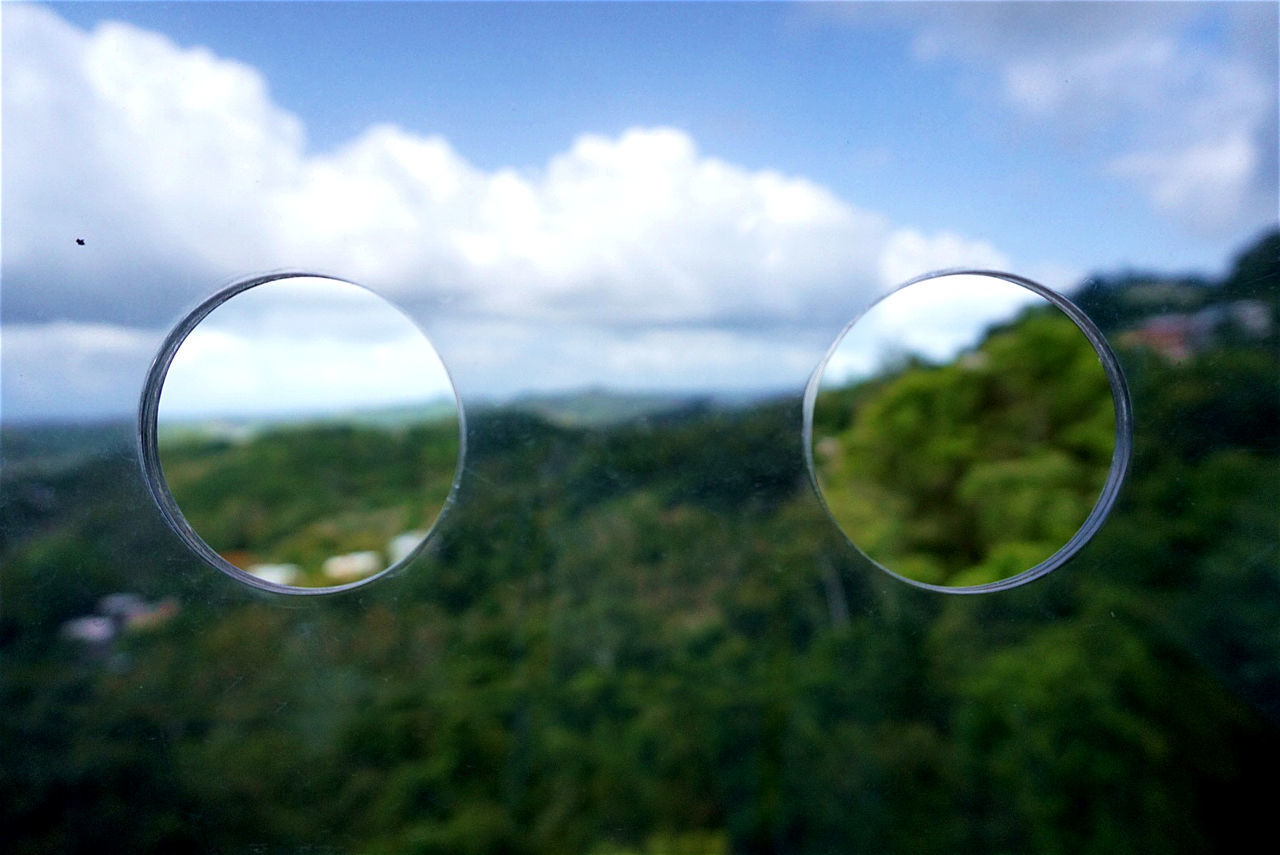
[(244, 427), (1124, 300), (599, 407), (51, 447)]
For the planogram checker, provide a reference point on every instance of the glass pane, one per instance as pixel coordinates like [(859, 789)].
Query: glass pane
[(632, 232)]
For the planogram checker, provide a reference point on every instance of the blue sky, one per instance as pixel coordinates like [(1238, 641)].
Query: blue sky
[(835, 94), (588, 188)]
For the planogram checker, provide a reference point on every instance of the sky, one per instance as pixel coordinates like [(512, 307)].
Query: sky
[(935, 319), (256, 355), (659, 196)]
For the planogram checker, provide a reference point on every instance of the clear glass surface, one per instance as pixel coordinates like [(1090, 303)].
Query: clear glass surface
[(632, 232)]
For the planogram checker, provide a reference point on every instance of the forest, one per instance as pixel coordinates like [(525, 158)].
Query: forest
[(647, 636)]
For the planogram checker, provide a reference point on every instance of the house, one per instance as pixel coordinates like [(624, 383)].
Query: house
[(276, 574), (1179, 336), (352, 566), (118, 613), (402, 545)]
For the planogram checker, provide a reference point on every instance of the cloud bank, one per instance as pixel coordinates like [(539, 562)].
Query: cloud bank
[(1178, 100), (635, 261)]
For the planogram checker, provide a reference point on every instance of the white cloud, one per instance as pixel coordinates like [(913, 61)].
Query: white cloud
[(156, 157), (633, 260), (176, 162), (64, 369), (1143, 84), (908, 254), (302, 345), (933, 319), (492, 358), (1209, 181), (1095, 81)]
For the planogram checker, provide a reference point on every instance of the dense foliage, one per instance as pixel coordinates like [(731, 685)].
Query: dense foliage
[(650, 638), (976, 469), (300, 493)]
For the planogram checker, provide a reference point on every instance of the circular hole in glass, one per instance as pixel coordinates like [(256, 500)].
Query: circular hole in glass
[(300, 433), (969, 432)]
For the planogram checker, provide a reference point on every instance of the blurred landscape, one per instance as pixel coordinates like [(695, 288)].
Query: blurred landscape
[(637, 631)]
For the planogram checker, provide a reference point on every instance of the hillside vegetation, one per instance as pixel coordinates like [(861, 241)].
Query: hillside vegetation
[(648, 637), (974, 470)]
